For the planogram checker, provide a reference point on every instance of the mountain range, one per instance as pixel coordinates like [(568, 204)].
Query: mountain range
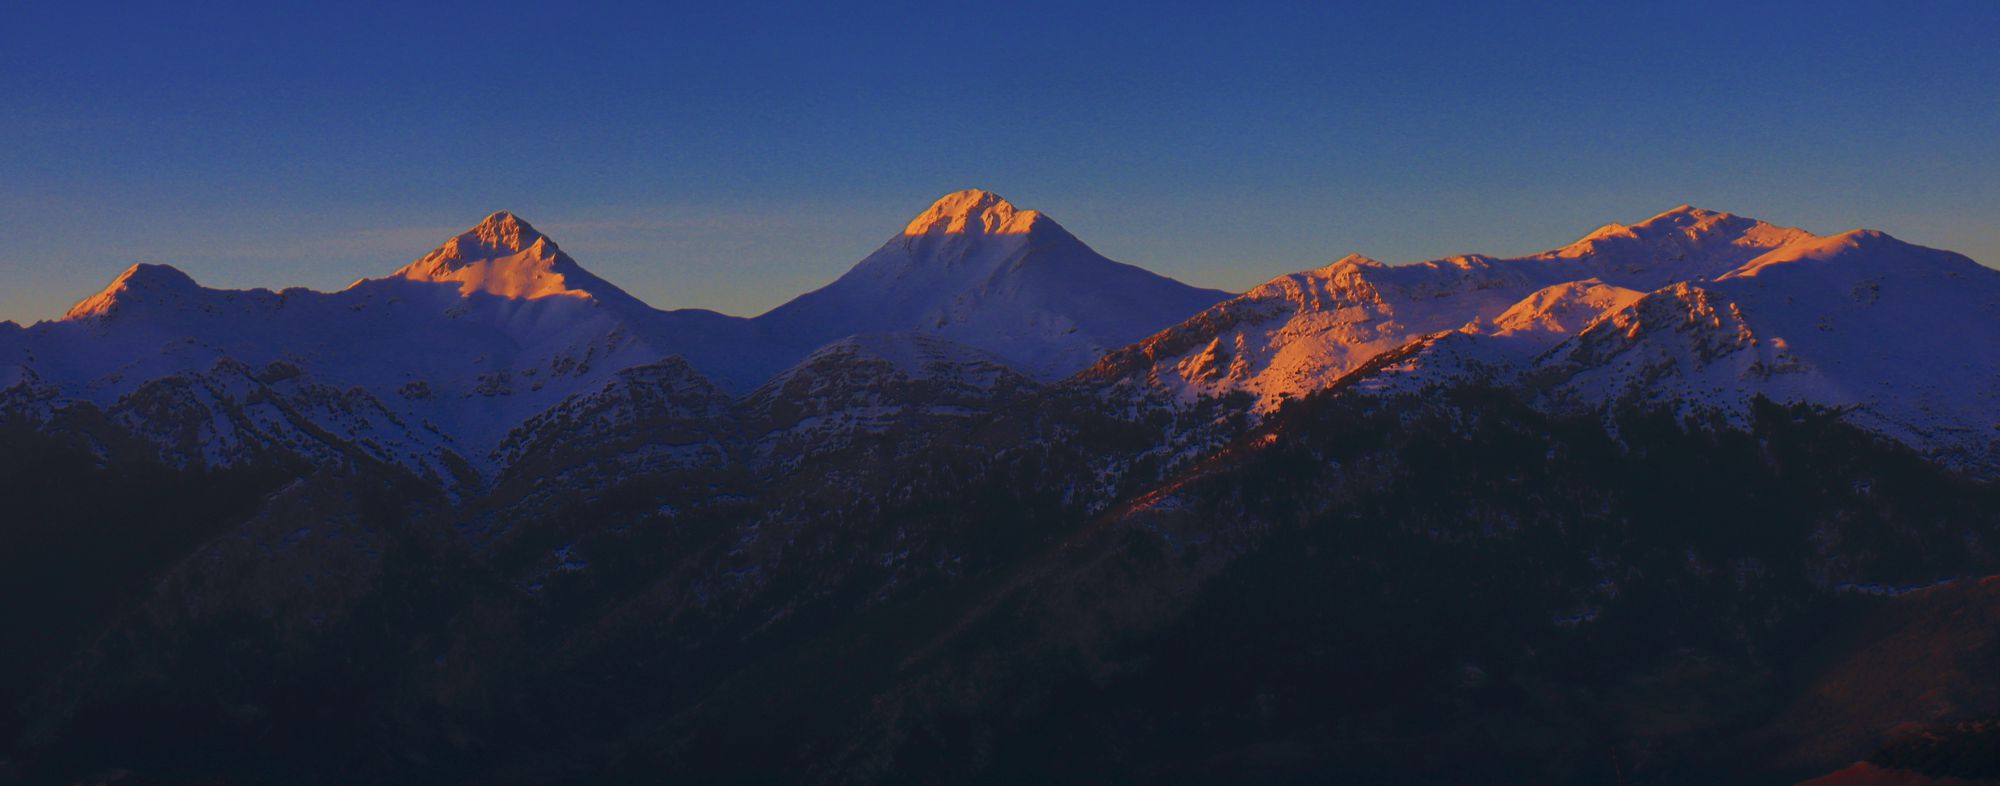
[(992, 507), (499, 324)]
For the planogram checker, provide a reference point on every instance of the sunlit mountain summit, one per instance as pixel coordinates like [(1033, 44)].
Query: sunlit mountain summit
[(513, 522)]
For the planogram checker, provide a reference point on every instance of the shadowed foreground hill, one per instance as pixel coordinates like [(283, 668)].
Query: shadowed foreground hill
[(1400, 591)]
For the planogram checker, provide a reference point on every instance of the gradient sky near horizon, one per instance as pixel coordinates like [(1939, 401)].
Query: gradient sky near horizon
[(733, 155)]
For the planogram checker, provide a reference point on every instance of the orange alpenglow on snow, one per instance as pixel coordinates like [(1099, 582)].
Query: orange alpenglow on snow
[(501, 256), (973, 211), (140, 281)]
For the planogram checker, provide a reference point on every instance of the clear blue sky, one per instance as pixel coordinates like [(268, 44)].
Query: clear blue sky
[(731, 155)]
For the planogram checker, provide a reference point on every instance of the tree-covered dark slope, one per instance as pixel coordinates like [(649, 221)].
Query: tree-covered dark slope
[(1451, 589), (1430, 592)]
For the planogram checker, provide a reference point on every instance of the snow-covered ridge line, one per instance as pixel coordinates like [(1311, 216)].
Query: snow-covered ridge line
[(498, 324), (1691, 309)]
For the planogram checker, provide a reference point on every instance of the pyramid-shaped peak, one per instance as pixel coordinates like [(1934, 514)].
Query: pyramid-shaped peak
[(974, 212), (500, 234), (138, 282), (505, 256)]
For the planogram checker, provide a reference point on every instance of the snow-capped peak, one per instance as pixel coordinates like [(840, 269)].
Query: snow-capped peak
[(507, 257), (976, 270), (1686, 219), (976, 212), (501, 235), (1710, 240), (502, 232), (142, 281), (1352, 261)]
